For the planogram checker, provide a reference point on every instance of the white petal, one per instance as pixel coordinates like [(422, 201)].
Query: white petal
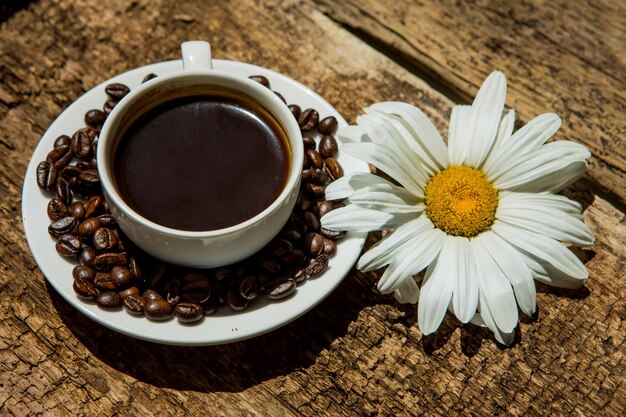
[(514, 269), (465, 280), (545, 168), (492, 93), (471, 135), (407, 292), (505, 130), (344, 187), (546, 220), (356, 219), (423, 133), (530, 137), (550, 201), (416, 255), (547, 249), (385, 159), (544, 272), (384, 251), (347, 134), (495, 288), (459, 141), (436, 291), (388, 198), (486, 318)]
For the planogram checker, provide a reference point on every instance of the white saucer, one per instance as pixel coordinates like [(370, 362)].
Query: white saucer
[(225, 326)]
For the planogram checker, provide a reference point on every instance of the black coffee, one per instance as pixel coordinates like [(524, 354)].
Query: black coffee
[(203, 162)]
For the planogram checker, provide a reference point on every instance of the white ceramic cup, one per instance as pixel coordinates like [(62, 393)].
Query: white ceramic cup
[(189, 248)]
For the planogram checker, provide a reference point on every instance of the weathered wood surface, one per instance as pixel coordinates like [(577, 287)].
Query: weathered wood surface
[(358, 353)]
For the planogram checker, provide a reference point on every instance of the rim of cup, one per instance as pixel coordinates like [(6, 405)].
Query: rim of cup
[(279, 110)]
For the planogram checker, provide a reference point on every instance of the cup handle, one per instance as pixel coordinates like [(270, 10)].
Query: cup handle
[(196, 55)]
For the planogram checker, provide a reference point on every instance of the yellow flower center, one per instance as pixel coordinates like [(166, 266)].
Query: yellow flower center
[(461, 201)]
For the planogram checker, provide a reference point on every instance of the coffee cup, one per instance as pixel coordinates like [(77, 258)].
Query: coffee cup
[(239, 183)]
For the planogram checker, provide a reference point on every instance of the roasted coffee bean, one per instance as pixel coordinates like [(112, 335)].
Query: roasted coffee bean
[(172, 291), (57, 209), (108, 106), (133, 304), (60, 156), (105, 207), (280, 96), (149, 295), (134, 291), (64, 226), (281, 288), (62, 191), (315, 176), (300, 275), (243, 268), (324, 207), (330, 247), (95, 118), (334, 169), (77, 210), (235, 300), (223, 273), (70, 171), (103, 282), (295, 110), (307, 174), (297, 223), (90, 178), (94, 147), (221, 293), (311, 221), (261, 80), (68, 245), (314, 158), (270, 265), (87, 256), (84, 289), (104, 239), (92, 205), (120, 275), (107, 220), (290, 235), (197, 291), (303, 202), (308, 119), (157, 274), (148, 77), (109, 299), (249, 287), (46, 175), (82, 272), (62, 140), (134, 269), (81, 143), (317, 266), (75, 186), (314, 190), (296, 257), (84, 165), (309, 143), (328, 146), (116, 91), (327, 125), (278, 247), (332, 234), (88, 227), (157, 309), (109, 259), (314, 243), (188, 312)]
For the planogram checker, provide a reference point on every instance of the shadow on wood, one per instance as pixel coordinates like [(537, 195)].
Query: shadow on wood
[(9, 7)]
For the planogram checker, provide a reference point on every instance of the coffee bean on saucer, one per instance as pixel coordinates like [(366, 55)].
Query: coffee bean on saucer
[(334, 169), (116, 91), (317, 265), (300, 275), (103, 282), (280, 96), (107, 220), (278, 247), (120, 276), (108, 106), (157, 309), (63, 226), (92, 205), (88, 227), (197, 291), (87, 256), (84, 289), (281, 288), (172, 291), (82, 272), (133, 304), (324, 207), (235, 300), (46, 175), (81, 143), (62, 191), (249, 287), (308, 142), (330, 247), (62, 140), (270, 265), (95, 118), (90, 178), (261, 80), (109, 299), (295, 257), (295, 110), (314, 243), (332, 234), (327, 125), (308, 119), (134, 269), (70, 171), (328, 146), (104, 239), (57, 209), (314, 158), (77, 210), (60, 156), (148, 77), (68, 245), (290, 234), (311, 220), (188, 312), (129, 291), (110, 259), (149, 295)]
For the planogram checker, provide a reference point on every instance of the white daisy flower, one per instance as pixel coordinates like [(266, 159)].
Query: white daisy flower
[(480, 214)]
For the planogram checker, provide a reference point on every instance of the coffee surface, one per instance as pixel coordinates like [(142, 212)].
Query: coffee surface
[(202, 163)]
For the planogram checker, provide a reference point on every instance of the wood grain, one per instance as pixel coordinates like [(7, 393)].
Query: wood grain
[(358, 353), (562, 56)]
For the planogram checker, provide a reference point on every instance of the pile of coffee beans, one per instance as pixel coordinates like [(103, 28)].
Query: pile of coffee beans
[(115, 273)]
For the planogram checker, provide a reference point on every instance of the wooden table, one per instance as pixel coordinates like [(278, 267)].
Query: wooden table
[(357, 353)]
